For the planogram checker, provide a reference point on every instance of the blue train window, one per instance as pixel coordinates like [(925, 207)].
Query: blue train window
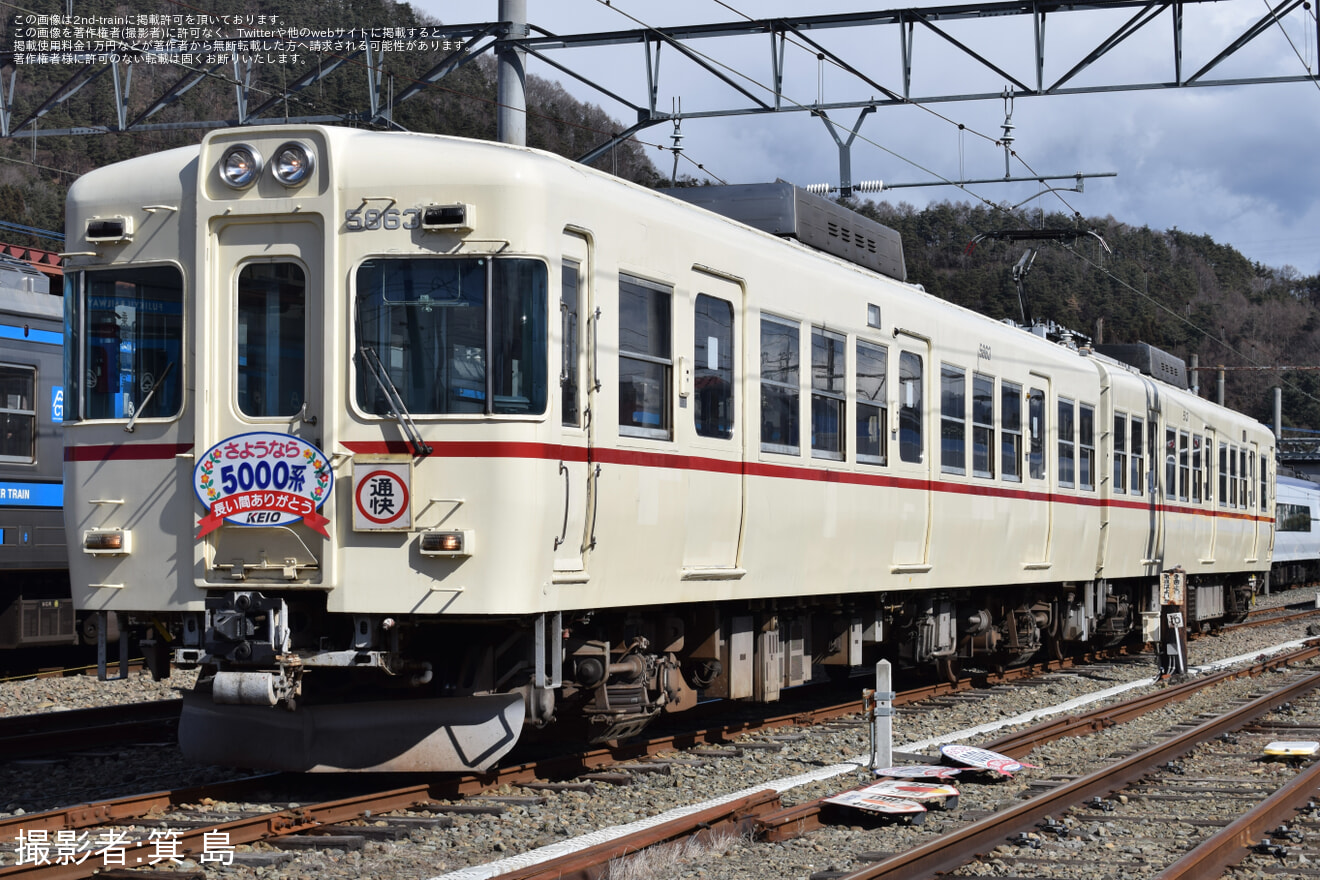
[(127, 333)]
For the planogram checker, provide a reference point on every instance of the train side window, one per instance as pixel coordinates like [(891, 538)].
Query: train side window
[(1136, 485), (1067, 443), (1243, 480), (1086, 446), (911, 446), (1036, 426), (953, 419), (713, 367), (272, 324), (128, 326), (1197, 478), (570, 322), (1292, 518), (1223, 475), (1010, 444), (1120, 452), (1232, 476), (872, 403), (446, 347), (983, 425), (645, 359), (1170, 463), (828, 395), (780, 386), (18, 417), (1264, 483), (1184, 466)]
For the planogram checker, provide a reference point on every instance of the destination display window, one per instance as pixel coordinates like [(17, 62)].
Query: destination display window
[(126, 343), (953, 419), (712, 359), (272, 325), (18, 418), (780, 385), (872, 403), (422, 332)]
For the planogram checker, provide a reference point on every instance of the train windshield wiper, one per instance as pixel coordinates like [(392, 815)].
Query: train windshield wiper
[(150, 394), (398, 411)]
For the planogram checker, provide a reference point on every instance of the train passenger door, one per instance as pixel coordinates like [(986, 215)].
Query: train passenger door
[(263, 375), (710, 421), (912, 518), (1156, 490), (1254, 509), (577, 396), (1039, 479)]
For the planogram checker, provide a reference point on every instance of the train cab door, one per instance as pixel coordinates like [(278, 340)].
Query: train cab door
[(577, 392), (262, 368), (911, 520)]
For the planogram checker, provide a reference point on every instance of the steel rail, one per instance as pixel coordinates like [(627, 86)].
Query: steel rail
[(1017, 745), (734, 817), (23, 736), (1229, 845), (193, 843), (946, 853)]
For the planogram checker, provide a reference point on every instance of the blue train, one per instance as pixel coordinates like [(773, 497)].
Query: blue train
[(1296, 534), (35, 608)]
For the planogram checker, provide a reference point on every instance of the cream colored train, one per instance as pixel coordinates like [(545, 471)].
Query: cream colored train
[(411, 443)]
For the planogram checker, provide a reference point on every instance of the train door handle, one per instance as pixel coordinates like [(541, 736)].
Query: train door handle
[(568, 488), (595, 505)]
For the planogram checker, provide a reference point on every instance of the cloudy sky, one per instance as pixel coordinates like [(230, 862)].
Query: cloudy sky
[(1237, 163)]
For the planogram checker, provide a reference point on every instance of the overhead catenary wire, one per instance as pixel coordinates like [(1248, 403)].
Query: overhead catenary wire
[(269, 92), (992, 205)]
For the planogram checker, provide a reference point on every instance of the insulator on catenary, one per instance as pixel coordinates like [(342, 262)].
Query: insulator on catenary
[(869, 186), (819, 189)]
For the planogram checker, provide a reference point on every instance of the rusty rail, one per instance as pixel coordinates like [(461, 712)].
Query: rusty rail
[(951, 851)]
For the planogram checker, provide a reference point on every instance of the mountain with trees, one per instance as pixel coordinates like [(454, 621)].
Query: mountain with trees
[(1181, 292)]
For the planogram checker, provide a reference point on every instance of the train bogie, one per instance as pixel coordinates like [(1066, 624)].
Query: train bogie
[(471, 426)]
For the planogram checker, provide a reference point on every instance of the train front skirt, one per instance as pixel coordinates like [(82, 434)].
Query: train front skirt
[(433, 736)]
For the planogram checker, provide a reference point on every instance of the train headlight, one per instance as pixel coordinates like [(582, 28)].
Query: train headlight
[(447, 542), (107, 542), (240, 165), (292, 164)]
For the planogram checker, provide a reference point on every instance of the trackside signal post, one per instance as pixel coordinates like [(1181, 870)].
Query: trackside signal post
[(1173, 622), (880, 709)]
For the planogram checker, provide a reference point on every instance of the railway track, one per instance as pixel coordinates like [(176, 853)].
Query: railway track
[(322, 823)]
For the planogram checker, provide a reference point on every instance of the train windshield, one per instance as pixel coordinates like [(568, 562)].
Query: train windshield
[(126, 334), (463, 335)]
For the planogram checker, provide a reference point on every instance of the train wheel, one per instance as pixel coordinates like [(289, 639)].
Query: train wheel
[(1053, 648), (946, 669)]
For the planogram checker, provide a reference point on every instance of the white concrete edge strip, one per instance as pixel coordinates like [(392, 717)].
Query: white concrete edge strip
[(605, 835)]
